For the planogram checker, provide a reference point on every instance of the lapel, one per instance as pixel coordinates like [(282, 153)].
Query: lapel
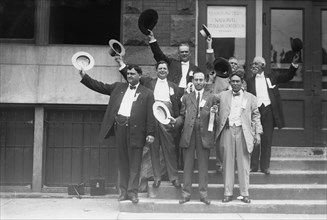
[(193, 98), (119, 98), (153, 84), (229, 100), (137, 94), (244, 101)]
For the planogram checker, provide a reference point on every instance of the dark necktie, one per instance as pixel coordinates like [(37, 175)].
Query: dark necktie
[(198, 104), (132, 87)]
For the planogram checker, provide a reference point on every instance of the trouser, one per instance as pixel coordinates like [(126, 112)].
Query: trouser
[(164, 139), (262, 153), (233, 146), (202, 155), (129, 159)]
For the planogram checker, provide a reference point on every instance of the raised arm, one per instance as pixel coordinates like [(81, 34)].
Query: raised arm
[(157, 52)]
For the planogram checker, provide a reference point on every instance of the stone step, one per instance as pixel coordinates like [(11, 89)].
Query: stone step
[(275, 177), (285, 163), (256, 191), (148, 205)]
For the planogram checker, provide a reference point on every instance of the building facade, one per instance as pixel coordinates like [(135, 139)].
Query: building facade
[(49, 121)]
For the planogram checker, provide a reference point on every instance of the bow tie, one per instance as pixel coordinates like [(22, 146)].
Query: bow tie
[(236, 93), (132, 87)]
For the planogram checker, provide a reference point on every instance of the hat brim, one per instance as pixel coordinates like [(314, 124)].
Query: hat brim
[(205, 32), (83, 60), (116, 48), (147, 20), (222, 67), (161, 112)]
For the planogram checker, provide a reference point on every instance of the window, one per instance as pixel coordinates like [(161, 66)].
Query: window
[(228, 29), (92, 22), (17, 19), (285, 24)]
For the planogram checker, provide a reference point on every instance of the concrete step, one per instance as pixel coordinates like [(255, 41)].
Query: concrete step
[(275, 177), (148, 205), (256, 191), (285, 163)]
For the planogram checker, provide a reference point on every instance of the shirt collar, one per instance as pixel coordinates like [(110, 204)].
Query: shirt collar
[(162, 80), (261, 75), (201, 92), (136, 86), (185, 63)]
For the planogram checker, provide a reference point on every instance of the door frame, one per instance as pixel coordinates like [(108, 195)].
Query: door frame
[(311, 93)]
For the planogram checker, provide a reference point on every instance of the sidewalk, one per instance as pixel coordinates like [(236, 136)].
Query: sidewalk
[(61, 206)]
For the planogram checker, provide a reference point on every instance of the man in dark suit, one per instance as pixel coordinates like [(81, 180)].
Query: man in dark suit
[(181, 71), (129, 117), (168, 93), (196, 137), (265, 87)]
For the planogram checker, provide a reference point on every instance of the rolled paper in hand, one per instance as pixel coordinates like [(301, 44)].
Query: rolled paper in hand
[(211, 121)]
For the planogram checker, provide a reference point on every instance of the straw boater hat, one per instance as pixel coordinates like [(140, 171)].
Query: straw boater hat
[(161, 112), (147, 20), (82, 60), (116, 48), (205, 32)]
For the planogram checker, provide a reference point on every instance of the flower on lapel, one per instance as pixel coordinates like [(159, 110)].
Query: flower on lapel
[(171, 91), (136, 95), (191, 73)]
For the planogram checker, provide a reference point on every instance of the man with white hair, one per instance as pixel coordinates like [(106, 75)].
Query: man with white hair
[(265, 87)]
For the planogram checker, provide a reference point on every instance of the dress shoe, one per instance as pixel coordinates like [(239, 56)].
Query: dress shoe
[(227, 199), (266, 171), (246, 199), (122, 197), (205, 201), (176, 183), (184, 200), (253, 170), (134, 199), (156, 184)]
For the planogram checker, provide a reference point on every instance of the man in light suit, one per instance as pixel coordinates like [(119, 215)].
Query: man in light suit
[(181, 72), (238, 130), (196, 137), (168, 93), (265, 87), (129, 117)]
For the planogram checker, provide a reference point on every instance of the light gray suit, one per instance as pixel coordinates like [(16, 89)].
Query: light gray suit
[(237, 142)]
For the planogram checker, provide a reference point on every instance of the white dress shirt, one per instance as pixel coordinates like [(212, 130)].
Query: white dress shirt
[(127, 102), (185, 67), (161, 91), (261, 90), (235, 110)]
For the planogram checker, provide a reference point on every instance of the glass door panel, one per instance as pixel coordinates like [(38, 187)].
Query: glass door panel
[(285, 24)]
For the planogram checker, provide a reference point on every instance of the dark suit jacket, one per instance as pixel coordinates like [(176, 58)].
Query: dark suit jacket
[(175, 67), (142, 121), (175, 96), (188, 116), (273, 93)]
